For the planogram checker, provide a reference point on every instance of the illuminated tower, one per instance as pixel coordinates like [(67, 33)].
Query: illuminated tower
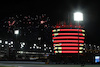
[(67, 38)]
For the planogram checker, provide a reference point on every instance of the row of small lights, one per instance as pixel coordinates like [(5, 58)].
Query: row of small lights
[(6, 42), (37, 47), (23, 44), (93, 45)]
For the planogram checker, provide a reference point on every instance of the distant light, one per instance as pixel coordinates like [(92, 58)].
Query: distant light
[(6, 42), (11, 42), (37, 47), (49, 47), (21, 52), (39, 38), (0, 41), (2, 46), (40, 47), (16, 32), (78, 16), (83, 48), (44, 49), (34, 44), (89, 44), (44, 45), (94, 45), (30, 47), (23, 43), (11, 45), (97, 46), (50, 50)]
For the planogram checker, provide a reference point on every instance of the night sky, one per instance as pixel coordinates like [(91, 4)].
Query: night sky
[(58, 10)]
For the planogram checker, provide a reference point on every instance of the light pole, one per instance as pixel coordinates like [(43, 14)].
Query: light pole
[(16, 32), (78, 16)]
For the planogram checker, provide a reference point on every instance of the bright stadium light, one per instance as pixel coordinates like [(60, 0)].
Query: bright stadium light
[(78, 16), (16, 32)]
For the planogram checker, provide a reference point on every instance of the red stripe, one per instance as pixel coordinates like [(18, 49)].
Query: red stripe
[(68, 48), (68, 52), (68, 44), (68, 37), (76, 41), (71, 30), (80, 34)]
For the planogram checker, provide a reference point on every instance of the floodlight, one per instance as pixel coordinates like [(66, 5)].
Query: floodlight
[(78, 16)]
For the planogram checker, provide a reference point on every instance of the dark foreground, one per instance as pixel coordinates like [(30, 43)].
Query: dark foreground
[(45, 65)]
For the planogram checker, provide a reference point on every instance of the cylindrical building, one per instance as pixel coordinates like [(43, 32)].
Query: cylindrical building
[(68, 38)]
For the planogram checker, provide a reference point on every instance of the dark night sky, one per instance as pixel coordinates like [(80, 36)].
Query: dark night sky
[(58, 10)]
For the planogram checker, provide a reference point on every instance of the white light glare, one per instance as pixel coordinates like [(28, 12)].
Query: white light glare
[(0, 41), (11, 42), (49, 47), (6, 42), (39, 38), (44, 45), (16, 32), (37, 47), (78, 16), (11, 45), (34, 44), (2, 45), (44, 49), (30, 47), (50, 50), (23, 43)]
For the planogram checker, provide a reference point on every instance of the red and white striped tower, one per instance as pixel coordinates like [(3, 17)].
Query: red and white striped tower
[(65, 39)]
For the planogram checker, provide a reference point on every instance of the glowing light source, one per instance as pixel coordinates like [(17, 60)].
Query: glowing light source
[(30, 47), (34, 44), (16, 32), (44, 45), (39, 38), (11, 45), (6, 42), (0, 41), (2, 46), (23, 43), (78, 16), (11, 42)]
